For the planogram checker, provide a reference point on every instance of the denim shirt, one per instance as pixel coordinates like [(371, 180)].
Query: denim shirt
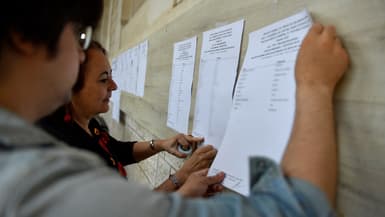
[(55, 180), (272, 194)]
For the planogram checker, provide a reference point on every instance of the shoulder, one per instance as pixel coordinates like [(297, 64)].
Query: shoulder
[(55, 119), (71, 177), (60, 125)]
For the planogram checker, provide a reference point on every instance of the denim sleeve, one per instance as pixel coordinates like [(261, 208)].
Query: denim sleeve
[(272, 194)]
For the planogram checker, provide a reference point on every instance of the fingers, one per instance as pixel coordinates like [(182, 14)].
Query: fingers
[(216, 179), (327, 31), (194, 141), (204, 155), (188, 141), (339, 43), (214, 189), (203, 164), (178, 154), (343, 54), (321, 59), (330, 31), (204, 149), (328, 38), (199, 184), (200, 159), (317, 28), (210, 154), (211, 180), (203, 172), (329, 34), (217, 188), (182, 140)]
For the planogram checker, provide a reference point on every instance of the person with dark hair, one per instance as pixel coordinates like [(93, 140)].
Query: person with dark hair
[(41, 176), (44, 25), (75, 123)]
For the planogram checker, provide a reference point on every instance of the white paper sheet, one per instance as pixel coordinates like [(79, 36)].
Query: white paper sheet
[(132, 60), (133, 64), (125, 71), (179, 100), (264, 102), (142, 68), (217, 73), (122, 68)]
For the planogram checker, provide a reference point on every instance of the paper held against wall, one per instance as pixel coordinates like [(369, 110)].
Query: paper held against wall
[(179, 100), (263, 107), (217, 72)]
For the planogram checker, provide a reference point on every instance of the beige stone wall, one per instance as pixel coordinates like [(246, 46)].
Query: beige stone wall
[(360, 100)]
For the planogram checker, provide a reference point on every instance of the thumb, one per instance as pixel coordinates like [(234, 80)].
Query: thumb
[(180, 155), (215, 179), (177, 153)]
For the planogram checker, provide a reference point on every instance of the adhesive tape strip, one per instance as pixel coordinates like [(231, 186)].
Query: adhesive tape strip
[(187, 151)]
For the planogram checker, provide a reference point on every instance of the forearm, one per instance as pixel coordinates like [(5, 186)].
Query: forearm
[(143, 150), (311, 154), (166, 186), (169, 186), (199, 160)]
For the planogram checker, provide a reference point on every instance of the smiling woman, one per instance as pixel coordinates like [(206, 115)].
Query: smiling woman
[(94, 86), (75, 123)]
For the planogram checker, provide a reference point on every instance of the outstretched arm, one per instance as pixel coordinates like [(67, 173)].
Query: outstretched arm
[(200, 159), (311, 154), (199, 184), (143, 150)]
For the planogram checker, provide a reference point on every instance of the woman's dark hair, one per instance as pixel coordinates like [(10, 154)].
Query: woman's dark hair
[(42, 21), (81, 75)]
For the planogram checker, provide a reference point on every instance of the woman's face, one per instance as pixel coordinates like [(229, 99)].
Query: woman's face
[(95, 95)]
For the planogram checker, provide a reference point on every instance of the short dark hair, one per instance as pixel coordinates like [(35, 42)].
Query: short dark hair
[(42, 21), (81, 75)]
